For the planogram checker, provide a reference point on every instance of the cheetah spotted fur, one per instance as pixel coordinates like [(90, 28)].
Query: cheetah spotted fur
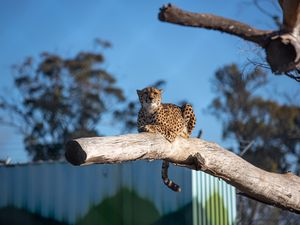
[(168, 120)]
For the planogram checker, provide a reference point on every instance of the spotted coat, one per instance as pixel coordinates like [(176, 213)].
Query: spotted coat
[(168, 120)]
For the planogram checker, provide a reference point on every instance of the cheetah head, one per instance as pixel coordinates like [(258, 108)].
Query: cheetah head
[(150, 98)]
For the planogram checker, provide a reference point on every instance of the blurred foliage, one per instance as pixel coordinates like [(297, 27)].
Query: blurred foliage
[(264, 131), (272, 127), (256, 213), (59, 99)]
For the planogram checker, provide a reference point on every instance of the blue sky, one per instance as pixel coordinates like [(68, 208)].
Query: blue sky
[(144, 49)]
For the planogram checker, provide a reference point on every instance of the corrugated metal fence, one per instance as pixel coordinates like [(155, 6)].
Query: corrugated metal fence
[(68, 194), (214, 201)]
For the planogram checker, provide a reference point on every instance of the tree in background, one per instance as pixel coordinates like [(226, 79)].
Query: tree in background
[(266, 132), (59, 99)]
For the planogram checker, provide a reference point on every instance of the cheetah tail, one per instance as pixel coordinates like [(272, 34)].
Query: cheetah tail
[(165, 178)]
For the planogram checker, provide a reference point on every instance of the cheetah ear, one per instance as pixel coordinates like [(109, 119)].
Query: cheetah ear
[(161, 90), (139, 92)]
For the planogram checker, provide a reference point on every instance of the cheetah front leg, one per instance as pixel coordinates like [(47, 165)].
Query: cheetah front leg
[(168, 134)]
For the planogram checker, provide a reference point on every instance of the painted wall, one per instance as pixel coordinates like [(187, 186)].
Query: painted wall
[(130, 193)]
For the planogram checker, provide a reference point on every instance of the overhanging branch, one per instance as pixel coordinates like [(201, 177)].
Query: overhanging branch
[(172, 14), (282, 190), (282, 46)]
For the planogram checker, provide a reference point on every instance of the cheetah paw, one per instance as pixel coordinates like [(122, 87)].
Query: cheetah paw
[(149, 128)]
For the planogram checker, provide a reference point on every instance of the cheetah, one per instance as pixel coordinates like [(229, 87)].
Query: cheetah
[(167, 119)]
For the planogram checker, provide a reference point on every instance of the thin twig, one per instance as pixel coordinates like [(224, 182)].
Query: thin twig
[(246, 148)]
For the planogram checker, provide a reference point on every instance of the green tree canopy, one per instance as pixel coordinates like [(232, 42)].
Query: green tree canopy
[(272, 128), (60, 98)]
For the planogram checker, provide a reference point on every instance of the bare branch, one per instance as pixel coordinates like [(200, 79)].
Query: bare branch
[(282, 190), (246, 148), (282, 46), (172, 14)]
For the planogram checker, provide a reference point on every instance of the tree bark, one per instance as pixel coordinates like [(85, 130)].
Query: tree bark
[(282, 46), (172, 14), (281, 190)]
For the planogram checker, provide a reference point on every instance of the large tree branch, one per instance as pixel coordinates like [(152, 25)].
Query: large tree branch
[(282, 190), (174, 15), (282, 46)]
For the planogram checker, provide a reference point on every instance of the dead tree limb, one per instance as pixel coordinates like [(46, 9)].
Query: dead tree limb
[(281, 190), (174, 15), (282, 46)]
